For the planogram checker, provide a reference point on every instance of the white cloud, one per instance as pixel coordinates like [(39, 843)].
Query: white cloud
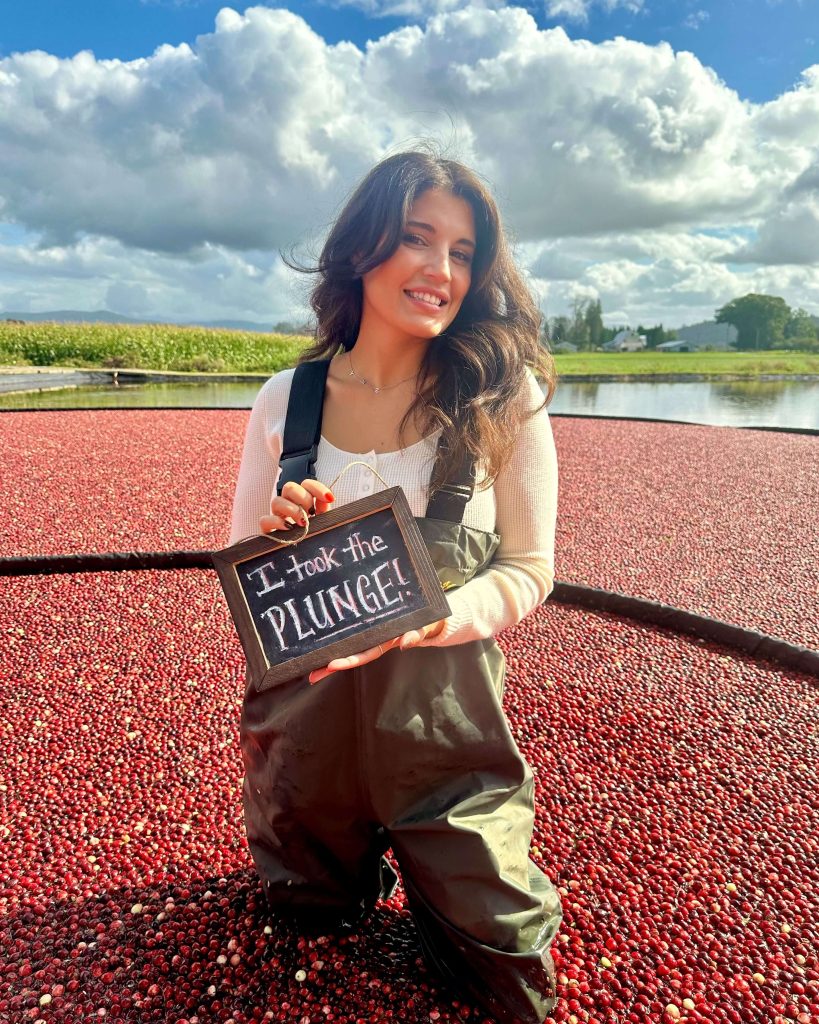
[(578, 10), (788, 235), (792, 120), (411, 9), (100, 273), (238, 141), (171, 180), (583, 137), (789, 231), (695, 19)]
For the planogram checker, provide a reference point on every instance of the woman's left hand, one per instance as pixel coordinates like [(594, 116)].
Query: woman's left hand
[(404, 642)]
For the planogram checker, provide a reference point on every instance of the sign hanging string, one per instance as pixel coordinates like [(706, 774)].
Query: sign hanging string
[(305, 526)]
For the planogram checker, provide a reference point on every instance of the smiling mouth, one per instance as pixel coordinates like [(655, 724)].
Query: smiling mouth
[(428, 299)]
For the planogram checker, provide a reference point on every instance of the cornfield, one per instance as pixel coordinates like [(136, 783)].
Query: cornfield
[(147, 346)]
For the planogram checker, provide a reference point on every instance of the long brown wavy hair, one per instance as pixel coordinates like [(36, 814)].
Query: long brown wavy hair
[(473, 375)]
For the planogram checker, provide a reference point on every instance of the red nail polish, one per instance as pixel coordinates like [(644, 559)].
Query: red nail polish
[(329, 497)]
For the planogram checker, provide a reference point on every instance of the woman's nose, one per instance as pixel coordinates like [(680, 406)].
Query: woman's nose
[(438, 264)]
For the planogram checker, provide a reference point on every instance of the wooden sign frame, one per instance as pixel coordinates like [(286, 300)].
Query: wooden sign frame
[(228, 563)]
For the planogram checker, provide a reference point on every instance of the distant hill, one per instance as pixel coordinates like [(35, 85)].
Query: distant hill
[(105, 316), (74, 316)]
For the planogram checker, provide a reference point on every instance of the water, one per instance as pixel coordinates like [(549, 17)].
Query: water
[(138, 396), (748, 403), (769, 403)]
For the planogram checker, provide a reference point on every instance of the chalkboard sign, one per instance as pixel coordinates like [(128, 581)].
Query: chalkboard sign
[(361, 576)]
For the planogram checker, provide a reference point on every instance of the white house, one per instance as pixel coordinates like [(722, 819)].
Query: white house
[(625, 341)]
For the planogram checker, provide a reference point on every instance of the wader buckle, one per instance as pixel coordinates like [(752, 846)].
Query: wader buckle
[(297, 466)]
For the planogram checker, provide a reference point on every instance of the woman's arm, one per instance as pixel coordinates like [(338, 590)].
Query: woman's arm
[(259, 468), (522, 573)]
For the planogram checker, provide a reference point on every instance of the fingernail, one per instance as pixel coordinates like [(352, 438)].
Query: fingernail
[(329, 497)]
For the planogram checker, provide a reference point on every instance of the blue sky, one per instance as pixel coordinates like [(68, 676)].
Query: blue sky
[(757, 47), (660, 156)]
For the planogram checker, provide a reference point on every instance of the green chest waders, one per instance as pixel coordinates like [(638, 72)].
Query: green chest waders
[(413, 752)]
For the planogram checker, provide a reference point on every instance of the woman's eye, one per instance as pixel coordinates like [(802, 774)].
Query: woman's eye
[(459, 254)]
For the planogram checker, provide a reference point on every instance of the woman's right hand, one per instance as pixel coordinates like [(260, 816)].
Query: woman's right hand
[(295, 503)]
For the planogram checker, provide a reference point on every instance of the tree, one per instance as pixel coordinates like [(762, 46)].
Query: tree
[(594, 322), (584, 328), (579, 331), (559, 329), (656, 335), (801, 325), (759, 319)]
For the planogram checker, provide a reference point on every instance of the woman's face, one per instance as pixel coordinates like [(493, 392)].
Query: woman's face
[(417, 292)]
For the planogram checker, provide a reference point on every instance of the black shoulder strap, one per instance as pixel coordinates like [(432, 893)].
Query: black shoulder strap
[(302, 432), (449, 501), (302, 427)]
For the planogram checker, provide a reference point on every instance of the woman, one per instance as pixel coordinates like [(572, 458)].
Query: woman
[(425, 343)]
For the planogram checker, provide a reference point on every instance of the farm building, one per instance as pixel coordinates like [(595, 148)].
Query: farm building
[(625, 341), (717, 336), (678, 345)]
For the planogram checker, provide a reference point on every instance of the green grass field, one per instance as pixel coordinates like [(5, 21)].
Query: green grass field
[(198, 349), (746, 364)]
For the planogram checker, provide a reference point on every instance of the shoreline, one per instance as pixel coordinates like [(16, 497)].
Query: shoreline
[(680, 378), (20, 380)]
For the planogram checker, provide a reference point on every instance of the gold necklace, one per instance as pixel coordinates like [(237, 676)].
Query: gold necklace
[(373, 388)]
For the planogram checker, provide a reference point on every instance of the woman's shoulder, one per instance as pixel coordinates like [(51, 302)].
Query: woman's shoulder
[(275, 393), (531, 392), (280, 381)]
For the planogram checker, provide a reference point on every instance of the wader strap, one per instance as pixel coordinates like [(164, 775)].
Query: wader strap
[(449, 501), (302, 427), (302, 432)]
